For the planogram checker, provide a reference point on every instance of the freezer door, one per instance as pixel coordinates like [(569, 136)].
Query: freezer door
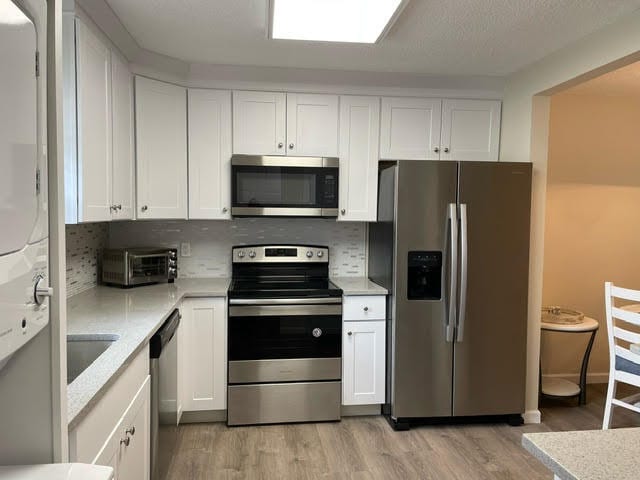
[(421, 357), (490, 348)]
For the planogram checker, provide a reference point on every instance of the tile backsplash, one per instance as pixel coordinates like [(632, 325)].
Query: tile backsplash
[(211, 241), (84, 242)]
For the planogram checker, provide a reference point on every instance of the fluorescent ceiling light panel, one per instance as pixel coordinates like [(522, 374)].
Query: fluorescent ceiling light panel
[(354, 21)]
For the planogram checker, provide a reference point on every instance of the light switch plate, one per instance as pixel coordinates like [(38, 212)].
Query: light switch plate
[(185, 249)]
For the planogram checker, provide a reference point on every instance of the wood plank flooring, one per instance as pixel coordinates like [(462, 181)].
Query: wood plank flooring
[(363, 448)]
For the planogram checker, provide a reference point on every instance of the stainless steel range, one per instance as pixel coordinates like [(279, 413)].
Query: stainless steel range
[(285, 327)]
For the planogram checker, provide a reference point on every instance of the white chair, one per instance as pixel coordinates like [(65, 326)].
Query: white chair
[(624, 362)]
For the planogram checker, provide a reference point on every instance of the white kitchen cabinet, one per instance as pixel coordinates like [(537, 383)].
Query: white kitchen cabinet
[(410, 128), (98, 128), (470, 130), (204, 357), (209, 154), (93, 94), (359, 141), (161, 149), (122, 197), (363, 362), (259, 123), (312, 125)]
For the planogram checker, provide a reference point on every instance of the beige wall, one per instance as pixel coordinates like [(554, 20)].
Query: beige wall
[(592, 227), (525, 122)]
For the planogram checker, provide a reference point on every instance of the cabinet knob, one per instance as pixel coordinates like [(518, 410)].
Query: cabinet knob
[(118, 207), (343, 211), (366, 309), (144, 208), (280, 145), (290, 146), (349, 333), (131, 430), (437, 149), (446, 149), (225, 209), (126, 441)]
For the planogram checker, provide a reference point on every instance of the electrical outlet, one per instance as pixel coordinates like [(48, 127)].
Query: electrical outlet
[(185, 249)]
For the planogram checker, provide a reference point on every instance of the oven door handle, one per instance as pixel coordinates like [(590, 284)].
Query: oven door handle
[(283, 310), (285, 301)]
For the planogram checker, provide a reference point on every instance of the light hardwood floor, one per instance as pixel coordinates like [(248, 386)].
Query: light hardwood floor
[(367, 448)]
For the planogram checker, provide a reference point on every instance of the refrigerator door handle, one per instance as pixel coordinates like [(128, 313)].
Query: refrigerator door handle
[(453, 274), (464, 264)]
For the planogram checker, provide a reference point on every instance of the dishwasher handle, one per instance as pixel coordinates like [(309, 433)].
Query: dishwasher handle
[(164, 334)]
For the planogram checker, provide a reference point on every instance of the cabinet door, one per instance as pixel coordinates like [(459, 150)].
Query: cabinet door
[(209, 154), (259, 123), (312, 125), (205, 365), (93, 91), (134, 462), (470, 130), (109, 455), (122, 106), (363, 363), (161, 149), (410, 128), (359, 140)]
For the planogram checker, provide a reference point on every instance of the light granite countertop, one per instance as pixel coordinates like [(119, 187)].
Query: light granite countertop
[(588, 455), (358, 286), (133, 315)]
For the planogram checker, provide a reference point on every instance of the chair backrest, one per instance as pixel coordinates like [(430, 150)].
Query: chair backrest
[(617, 319)]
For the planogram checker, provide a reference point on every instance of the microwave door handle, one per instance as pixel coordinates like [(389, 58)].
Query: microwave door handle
[(452, 218)]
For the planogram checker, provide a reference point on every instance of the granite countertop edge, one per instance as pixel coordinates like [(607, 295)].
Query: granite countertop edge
[(356, 286), (547, 460)]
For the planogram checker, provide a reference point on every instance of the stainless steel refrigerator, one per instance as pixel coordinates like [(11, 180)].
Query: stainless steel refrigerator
[(451, 245)]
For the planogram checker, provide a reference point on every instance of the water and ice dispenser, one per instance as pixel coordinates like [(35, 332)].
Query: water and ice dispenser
[(424, 271)]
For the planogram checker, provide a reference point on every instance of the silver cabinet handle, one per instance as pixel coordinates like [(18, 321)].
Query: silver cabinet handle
[(144, 208), (280, 144), (112, 208), (349, 333), (446, 149), (453, 247), (126, 441), (131, 430), (119, 206), (437, 149), (366, 309), (225, 209), (343, 211), (464, 260), (290, 146)]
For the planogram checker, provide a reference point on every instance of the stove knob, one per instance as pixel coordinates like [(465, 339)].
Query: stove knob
[(252, 254), (309, 254), (241, 254), (320, 253)]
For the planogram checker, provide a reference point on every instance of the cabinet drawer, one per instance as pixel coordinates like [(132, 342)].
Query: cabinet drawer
[(365, 307)]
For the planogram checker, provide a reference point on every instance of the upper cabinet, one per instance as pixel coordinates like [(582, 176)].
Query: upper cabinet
[(435, 129), (161, 149), (209, 154), (410, 128), (271, 123), (98, 128), (359, 139), (470, 130)]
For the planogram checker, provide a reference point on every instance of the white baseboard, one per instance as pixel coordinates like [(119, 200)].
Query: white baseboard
[(575, 377), (360, 410), (532, 416)]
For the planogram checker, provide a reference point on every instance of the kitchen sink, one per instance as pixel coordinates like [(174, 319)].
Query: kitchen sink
[(83, 350)]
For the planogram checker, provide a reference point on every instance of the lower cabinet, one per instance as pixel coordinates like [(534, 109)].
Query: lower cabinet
[(202, 354), (363, 362)]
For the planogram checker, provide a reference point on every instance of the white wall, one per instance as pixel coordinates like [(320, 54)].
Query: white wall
[(525, 122)]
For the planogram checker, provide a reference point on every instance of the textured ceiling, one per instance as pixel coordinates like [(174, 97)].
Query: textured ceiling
[(624, 81), (436, 37)]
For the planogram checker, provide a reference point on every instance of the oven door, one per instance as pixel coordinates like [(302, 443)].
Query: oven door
[(281, 342), (264, 186), (150, 268)]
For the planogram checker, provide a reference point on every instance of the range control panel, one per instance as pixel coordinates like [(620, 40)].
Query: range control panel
[(280, 254)]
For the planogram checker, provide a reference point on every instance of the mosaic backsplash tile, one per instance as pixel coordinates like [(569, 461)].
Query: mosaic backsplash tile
[(84, 243), (211, 241)]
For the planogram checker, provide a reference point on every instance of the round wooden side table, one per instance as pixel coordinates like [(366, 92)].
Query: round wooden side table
[(559, 387)]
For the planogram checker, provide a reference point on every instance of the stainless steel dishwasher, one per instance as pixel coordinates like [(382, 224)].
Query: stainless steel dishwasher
[(163, 366)]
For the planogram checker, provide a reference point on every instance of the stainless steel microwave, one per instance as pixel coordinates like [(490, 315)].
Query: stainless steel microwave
[(284, 186), (128, 267)]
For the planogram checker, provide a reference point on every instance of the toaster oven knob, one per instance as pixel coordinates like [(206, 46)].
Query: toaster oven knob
[(309, 254), (316, 332), (172, 270), (320, 253), (240, 254), (252, 254), (172, 262)]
